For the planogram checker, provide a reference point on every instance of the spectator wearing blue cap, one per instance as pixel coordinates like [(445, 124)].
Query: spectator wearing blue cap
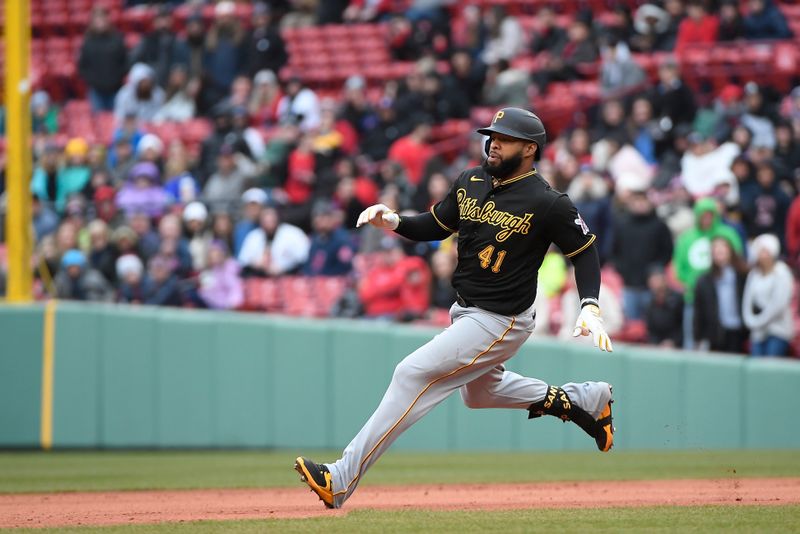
[(76, 281), (121, 155)]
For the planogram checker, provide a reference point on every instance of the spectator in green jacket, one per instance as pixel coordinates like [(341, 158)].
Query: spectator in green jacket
[(692, 257), (54, 183)]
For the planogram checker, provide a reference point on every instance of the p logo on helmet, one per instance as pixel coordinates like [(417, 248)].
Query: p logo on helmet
[(517, 123)]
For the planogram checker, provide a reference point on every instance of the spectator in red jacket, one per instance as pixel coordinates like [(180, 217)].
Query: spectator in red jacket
[(413, 151), (698, 27), (398, 287), (301, 174), (267, 94), (793, 235)]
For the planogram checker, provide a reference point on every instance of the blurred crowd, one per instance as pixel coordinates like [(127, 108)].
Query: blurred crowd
[(693, 196)]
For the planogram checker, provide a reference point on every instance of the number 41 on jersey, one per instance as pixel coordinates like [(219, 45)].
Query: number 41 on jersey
[(486, 255)]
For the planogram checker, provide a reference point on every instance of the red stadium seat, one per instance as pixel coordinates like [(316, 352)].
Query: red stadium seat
[(79, 21), (138, 19), (196, 130), (262, 294), (298, 298), (327, 290), (104, 124)]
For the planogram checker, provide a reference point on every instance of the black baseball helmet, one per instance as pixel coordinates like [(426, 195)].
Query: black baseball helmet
[(519, 123)]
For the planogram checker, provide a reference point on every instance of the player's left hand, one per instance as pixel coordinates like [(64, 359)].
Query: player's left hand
[(590, 322)]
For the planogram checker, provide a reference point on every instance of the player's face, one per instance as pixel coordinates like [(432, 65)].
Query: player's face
[(505, 155)]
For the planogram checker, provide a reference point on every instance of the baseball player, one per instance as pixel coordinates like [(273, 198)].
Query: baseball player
[(506, 216)]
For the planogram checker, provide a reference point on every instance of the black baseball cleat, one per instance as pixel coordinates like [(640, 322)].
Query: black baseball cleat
[(558, 404), (317, 477)]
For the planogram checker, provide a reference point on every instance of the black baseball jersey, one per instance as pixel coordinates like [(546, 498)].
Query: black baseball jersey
[(503, 235)]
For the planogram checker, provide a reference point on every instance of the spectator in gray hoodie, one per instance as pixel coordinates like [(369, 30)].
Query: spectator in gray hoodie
[(140, 96), (224, 189)]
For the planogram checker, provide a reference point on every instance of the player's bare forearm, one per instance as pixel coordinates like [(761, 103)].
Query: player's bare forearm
[(587, 275), (422, 227)]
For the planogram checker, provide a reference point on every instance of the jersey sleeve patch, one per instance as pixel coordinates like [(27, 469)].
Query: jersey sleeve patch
[(579, 222), (566, 228)]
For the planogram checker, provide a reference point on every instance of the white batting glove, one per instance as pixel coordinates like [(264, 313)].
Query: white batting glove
[(380, 216), (590, 322)]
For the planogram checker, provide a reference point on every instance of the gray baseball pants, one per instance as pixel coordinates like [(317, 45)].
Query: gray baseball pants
[(469, 356)]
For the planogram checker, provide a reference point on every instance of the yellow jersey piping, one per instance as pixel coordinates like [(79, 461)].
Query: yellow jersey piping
[(440, 222), (584, 247), (517, 178)]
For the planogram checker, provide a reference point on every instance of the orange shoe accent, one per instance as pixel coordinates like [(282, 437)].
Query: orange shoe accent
[(608, 430), (325, 492)]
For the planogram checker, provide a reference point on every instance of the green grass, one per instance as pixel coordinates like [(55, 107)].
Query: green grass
[(100, 471), (739, 519)]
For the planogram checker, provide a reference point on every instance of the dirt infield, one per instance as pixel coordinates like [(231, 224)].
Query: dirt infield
[(128, 507)]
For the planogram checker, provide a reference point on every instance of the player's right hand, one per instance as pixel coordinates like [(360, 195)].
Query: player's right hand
[(380, 216)]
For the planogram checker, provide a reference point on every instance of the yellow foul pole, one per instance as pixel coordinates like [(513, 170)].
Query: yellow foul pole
[(18, 166)]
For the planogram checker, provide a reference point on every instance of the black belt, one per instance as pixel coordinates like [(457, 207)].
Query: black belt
[(464, 303)]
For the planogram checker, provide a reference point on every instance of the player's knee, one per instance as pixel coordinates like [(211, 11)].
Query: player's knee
[(472, 398), (406, 372)]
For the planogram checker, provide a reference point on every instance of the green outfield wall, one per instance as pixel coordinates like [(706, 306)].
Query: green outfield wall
[(155, 377)]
